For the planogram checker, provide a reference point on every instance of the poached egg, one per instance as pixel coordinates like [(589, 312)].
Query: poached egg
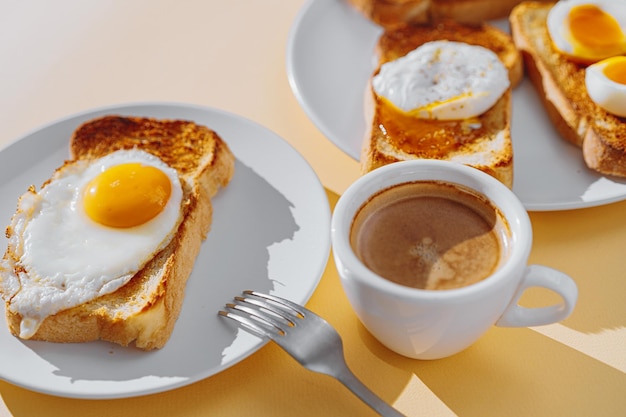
[(443, 80)]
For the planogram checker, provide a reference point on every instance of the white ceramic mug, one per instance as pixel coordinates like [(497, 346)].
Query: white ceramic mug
[(431, 324)]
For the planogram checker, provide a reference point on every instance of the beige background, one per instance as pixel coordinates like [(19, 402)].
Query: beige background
[(62, 57)]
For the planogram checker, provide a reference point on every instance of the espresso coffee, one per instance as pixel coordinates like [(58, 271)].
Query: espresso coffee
[(429, 235)]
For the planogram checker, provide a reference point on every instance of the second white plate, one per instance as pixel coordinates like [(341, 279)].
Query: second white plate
[(330, 57)]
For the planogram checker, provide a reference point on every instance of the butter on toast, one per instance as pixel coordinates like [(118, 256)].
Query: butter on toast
[(145, 309), (560, 84), (483, 142)]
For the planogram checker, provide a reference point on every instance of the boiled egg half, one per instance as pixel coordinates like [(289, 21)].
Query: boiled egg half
[(88, 231), (588, 31), (443, 80), (606, 84)]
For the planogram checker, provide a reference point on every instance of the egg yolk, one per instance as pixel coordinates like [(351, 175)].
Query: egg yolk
[(127, 195), (425, 136), (615, 69), (594, 29)]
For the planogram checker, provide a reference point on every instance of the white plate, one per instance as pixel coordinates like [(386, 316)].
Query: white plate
[(329, 60), (270, 233)]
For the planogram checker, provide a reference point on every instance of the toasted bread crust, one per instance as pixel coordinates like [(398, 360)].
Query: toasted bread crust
[(472, 11), (179, 143), (487, 148), (560, 84), (145, 310), (393, 13)]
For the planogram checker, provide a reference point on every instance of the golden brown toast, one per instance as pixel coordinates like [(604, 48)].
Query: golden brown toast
[(391, 13), (471, 11), (145, 309), (392, 136), (560, 84)]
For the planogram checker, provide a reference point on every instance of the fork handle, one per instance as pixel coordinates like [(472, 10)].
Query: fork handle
[(347, 378)]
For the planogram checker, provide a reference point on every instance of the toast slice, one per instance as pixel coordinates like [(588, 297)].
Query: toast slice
[(145, 309), (483, 142), (391, 13), (471, 11), (560, 84)]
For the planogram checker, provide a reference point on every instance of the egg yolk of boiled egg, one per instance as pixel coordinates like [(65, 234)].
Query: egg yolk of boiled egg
[(606, 84), (127, 195), (592, 28), (615, 69)]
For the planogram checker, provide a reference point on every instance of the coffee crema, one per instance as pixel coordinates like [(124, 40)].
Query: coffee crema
[(429, 235)]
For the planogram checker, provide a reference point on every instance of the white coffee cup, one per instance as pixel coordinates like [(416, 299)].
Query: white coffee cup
[(431, 324)]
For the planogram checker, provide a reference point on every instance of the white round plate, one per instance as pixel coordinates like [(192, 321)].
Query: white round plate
[(270, 233), (330, 57)]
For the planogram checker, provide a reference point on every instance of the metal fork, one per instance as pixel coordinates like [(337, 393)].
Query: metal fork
[(304, 335)]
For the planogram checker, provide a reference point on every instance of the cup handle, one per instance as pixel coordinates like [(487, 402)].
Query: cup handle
[(551, 279)]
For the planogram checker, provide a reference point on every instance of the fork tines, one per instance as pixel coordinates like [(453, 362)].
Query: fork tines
[(263, 314)]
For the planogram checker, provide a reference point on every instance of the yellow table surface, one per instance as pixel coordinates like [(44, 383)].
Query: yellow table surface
[(66, 56)]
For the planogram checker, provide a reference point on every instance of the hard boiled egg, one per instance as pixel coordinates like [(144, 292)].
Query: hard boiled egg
[(588, 31), (606, 84), (443, 80), (88, 231)]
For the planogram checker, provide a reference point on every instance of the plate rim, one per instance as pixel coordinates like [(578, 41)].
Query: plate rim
[(292, 75)]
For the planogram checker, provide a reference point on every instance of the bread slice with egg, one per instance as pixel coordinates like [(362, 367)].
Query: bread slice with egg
[(144, 310), (391, 13), (560, 83), (483, 142)]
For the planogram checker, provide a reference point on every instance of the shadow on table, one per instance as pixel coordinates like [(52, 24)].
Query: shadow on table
[(512, 372)]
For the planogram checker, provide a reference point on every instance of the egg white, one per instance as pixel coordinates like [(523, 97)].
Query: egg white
[(559, 29), (68, 258), (443, 80)]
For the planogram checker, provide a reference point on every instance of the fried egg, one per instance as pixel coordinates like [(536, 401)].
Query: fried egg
[(606, 84), (88, 231), (443, 80), (588, 31)]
